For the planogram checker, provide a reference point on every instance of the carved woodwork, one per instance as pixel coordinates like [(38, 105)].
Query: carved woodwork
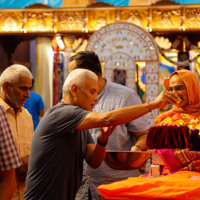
[(35, 19)]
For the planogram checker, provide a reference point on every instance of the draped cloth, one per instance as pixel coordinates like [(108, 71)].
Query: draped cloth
[(173, 137), (193, 91), (181, 185), (180, 159)]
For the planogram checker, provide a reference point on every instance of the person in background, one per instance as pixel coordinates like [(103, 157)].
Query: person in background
[(35, 106), (9, 158), (62, 142), (126, 137), (15, 83)]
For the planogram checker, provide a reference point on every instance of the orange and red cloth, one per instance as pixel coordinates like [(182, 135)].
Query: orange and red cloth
[(182, 185)]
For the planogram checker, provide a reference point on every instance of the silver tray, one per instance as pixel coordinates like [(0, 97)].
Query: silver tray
[(126, 160)]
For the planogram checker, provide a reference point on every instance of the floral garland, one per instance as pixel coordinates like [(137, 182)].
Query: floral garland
[(181, 119)]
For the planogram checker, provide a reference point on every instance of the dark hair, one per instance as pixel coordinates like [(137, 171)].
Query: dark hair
[(87, 60)]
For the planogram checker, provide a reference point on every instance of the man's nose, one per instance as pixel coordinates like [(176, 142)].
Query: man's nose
[(27, 94), (96, 98)]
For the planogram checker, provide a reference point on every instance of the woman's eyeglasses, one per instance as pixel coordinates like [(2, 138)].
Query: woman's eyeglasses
[(176, 88)]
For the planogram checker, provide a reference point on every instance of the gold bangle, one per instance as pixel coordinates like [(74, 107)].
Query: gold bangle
[(149, 106)]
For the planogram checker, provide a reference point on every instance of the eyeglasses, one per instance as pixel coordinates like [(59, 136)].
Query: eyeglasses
[(177, 88)]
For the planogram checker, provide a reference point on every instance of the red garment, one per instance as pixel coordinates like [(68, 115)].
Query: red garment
[(173, 137), (180, 159)]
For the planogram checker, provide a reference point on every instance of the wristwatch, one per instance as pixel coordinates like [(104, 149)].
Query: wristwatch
[(102, 144)]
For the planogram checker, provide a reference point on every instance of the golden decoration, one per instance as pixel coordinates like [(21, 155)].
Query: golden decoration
[(66, 20), (162, 42)]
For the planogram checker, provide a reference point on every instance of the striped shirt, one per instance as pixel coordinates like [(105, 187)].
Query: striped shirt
[(9, 157)]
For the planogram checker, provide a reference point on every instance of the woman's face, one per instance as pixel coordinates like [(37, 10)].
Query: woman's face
[(177, 85)]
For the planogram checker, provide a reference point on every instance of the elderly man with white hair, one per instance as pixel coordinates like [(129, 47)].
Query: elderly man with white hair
[(15, 82), (62, 142)]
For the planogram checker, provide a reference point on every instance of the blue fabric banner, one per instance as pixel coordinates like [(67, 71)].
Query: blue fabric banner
[(25, 3), (58, 3)]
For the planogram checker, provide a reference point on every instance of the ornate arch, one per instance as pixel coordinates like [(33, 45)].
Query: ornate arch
[(119, 46)]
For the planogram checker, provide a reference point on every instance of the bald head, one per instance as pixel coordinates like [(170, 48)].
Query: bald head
[(78, 77)]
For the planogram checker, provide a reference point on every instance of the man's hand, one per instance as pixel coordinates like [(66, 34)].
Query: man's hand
[(165, 98), (105, 133), (22, 171)]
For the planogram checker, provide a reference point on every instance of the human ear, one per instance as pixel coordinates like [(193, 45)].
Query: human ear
[(74, 89), (6, 86)]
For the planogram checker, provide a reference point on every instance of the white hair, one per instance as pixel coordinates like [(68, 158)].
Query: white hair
[(78, 77), (13, 73)]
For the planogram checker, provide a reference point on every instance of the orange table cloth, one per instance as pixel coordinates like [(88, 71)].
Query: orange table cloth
[(182, 185)]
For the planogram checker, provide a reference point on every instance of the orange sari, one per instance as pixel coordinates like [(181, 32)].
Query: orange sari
[(183, 185)]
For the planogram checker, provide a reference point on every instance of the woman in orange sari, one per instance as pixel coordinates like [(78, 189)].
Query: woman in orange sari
[(180, 126), (183, 178), (186, 85)]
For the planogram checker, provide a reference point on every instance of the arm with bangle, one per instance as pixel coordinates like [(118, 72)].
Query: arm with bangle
[(140, 144), (95, 153), (139, 148)]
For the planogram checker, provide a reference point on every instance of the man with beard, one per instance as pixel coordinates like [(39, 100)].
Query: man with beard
[(15, 83)]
